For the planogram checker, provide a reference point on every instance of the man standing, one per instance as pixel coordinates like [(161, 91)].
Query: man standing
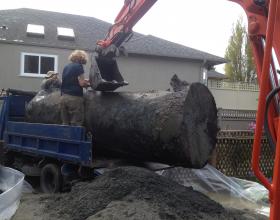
[(51, 82), (73, 81)]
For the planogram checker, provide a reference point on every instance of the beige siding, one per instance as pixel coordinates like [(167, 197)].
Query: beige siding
[(146, 73), (10, 64), (234, 99), (234, 95), (143, 73)]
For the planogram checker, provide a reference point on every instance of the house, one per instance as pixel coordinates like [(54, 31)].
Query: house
[(35, 41), (234, 95), (236, 101)]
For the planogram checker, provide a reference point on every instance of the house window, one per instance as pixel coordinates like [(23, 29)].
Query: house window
[(37, 65)]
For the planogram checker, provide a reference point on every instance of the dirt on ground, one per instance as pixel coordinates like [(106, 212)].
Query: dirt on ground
[(127, 193)]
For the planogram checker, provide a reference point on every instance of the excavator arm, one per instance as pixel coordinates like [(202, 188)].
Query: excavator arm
[(131, 12), (104, 72), (264, 35)]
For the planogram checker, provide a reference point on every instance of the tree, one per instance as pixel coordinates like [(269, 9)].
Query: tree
[(250, 68), (239, 54)]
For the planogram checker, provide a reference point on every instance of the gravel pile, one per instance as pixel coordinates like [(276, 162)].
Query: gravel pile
[(132, 193)]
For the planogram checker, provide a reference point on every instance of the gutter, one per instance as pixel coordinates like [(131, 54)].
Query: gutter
[(92, 50)]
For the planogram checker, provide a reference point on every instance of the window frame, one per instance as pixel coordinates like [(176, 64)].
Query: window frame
[(36, 75)]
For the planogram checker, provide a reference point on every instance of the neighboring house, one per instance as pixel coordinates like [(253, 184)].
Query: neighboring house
[(235, 95), (236, 101), (34, 41), (213, 76)]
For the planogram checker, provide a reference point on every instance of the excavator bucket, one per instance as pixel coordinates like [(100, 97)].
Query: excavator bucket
[(105, 74)]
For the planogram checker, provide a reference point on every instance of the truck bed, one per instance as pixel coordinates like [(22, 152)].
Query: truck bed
[(65, 143)]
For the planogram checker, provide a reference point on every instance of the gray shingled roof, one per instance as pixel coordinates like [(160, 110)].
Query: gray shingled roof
[(212, 74), (87, 31)]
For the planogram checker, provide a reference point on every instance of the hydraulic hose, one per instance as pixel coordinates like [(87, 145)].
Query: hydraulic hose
[(269, 98)]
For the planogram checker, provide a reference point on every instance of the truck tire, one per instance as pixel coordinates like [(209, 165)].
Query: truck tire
[(51, 178), (7, 159)]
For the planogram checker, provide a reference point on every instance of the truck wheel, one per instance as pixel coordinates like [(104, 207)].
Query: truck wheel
[(51, 178)]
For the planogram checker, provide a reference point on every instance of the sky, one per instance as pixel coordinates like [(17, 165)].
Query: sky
[(205, 25)]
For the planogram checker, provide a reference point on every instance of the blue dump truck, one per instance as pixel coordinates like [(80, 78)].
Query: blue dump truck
[(56, 153)]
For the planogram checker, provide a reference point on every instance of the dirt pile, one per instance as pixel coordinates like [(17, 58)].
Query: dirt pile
[(134, 193)]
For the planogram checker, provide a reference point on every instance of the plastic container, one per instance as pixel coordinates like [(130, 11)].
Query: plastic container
[(11, 183)]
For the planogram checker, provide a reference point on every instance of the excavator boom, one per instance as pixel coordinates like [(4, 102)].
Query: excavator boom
[(129, 15)]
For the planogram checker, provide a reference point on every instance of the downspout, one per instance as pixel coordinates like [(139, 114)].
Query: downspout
[(204, 73)]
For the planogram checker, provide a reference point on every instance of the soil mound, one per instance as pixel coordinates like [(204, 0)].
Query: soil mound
[(134, 193)]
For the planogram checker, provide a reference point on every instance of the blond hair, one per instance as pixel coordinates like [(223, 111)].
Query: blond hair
[(78, 56)]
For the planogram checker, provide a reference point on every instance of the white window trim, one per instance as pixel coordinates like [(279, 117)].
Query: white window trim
[(36, 75)]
